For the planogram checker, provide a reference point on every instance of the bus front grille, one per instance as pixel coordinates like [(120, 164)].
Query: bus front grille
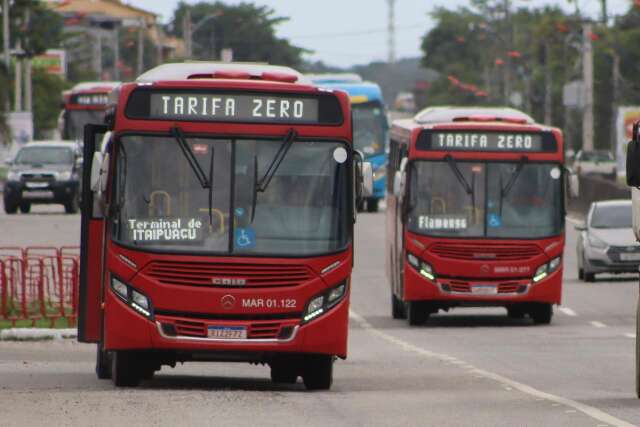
[(229, 275), (485, 252)]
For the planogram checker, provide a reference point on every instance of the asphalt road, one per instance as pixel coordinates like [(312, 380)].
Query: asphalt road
[(469, 367)]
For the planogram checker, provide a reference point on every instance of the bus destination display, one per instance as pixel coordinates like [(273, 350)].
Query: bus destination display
[(90, 99), (483, 141), (233, 108)]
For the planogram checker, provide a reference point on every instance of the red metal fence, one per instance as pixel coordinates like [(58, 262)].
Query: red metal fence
[(39, 282)]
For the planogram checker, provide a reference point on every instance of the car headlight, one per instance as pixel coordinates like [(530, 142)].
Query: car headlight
[(64, 176), (322, 303), (422, 267), (132, 297), (596, 242), (13, 176), (545, 269)]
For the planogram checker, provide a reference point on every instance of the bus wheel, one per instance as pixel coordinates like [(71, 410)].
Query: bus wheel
[(25, 207), (515, 313), (318, 372), (124, 369), (281, 373), (416, 313), (397, 308), (541, 313), (372, 205), (103, 363)]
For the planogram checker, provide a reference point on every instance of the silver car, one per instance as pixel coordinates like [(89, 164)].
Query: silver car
[(606, 243)]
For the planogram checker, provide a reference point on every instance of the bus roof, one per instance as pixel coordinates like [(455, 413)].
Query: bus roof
[(359, 92), (94, 86), (233, 70), (445, 114), (330, 78)]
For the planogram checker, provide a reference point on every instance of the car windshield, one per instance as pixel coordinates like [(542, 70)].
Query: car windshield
[(482, 199), (162, 205), (45, 155), (613, 216), (596, 156), (369, 128), (75, 120)]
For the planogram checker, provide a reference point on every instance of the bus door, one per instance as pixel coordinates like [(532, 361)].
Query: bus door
[(91, 235), (398, 226)]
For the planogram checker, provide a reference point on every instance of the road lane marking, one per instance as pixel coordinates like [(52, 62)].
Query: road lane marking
[(630, 335), (590, 411), (568, 311), (597, 324)]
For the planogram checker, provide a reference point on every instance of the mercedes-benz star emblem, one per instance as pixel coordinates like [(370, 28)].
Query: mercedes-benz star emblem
[(228, 302), (485, 268)]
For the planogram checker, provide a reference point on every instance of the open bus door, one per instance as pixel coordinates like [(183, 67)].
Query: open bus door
[(91, 235), (633, 180)]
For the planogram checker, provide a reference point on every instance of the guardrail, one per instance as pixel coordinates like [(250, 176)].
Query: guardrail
[(39, 282), (594, 189)]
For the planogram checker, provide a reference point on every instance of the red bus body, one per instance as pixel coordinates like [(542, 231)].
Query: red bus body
[(470, 271), (190, 294), (83, 104)]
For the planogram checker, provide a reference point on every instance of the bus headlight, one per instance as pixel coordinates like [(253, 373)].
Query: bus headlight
[(322, 303), (422, 267), (545, 269), (132, 297)]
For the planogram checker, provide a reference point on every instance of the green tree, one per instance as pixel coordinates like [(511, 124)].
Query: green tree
[(247, 29), (47, 89)]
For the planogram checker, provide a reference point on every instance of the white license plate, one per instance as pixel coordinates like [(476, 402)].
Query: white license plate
[(484, 289), (37, 194), (228, 332), (630, 257), (37, 185)]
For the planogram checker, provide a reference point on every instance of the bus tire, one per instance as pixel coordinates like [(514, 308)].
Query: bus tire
[(103, 363), (282, 373), (372, 205), (318, 372), (541, 313), (124, 369), (416, 313), (25, 207), (397, 308), (515, 313)]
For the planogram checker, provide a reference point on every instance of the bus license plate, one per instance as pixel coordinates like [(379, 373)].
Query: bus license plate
[(630, 257), (484, 289), (228, 332)]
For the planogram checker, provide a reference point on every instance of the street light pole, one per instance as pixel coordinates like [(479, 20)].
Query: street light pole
[(5, 33)]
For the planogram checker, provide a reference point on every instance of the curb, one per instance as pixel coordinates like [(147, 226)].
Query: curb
[(37, 334)]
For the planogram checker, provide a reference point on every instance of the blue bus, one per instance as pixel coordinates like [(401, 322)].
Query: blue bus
[(370, 125)]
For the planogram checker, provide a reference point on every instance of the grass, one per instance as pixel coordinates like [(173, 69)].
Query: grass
[(61, 323), (3, 173)]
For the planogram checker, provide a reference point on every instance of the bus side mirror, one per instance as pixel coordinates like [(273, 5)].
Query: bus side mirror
[(99, 172), (398, 184), (633, 158), (367, 180)]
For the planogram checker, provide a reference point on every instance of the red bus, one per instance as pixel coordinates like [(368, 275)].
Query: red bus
[(85, 103), (217, 224), (475, 213)]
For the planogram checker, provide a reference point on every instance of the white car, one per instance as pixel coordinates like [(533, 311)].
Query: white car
[(606, 243), (598, 162)]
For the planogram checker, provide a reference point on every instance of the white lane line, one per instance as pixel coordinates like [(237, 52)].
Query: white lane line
[(590, 411), (597, 324), (630, 335), (568, 311)]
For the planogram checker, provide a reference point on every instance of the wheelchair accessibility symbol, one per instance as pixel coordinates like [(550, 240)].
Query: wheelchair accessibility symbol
[(494, 221), (245, 238)]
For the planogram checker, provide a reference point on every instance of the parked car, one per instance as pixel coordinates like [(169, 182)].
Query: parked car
[(598, 162), (43, 172), (606, 243)]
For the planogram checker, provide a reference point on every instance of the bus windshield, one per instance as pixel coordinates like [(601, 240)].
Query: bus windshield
[(161, 205), (494, 200), (369, 127), (75, 120)]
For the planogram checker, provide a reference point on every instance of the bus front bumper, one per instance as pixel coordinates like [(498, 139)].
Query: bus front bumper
[(125, 329)]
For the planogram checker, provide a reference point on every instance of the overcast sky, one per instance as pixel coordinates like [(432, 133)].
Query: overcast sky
[(348, 32)]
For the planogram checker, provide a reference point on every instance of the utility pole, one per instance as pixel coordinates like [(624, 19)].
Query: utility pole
[(391, 32), (587, 76), (5, 34), (116, 52), (187, 34), (548, 85), (507, 64), (17, 106), (615, 97), (28, 91), (605, 16), (140, 61)]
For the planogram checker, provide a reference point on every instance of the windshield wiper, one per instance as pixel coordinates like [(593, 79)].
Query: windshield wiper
[(191, 158), (211, 187), (262, 185), (254, 197), (504, 191)]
